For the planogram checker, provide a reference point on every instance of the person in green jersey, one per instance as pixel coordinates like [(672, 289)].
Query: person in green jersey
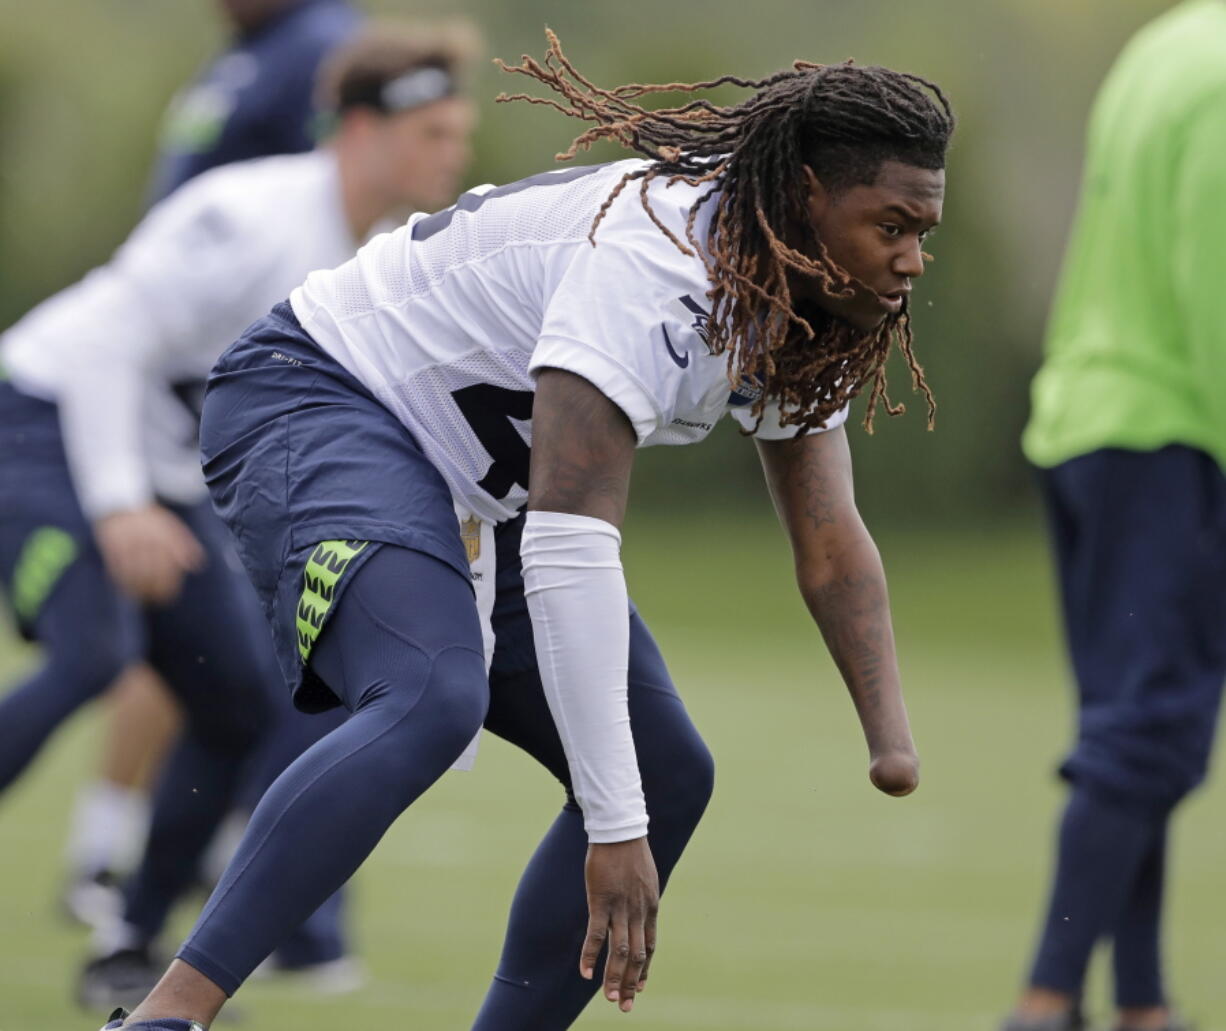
[(1129, 433)]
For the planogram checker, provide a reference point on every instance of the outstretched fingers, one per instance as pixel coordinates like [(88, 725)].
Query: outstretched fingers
[(593, 941), (649, 946), (629, 931), (623, 902)]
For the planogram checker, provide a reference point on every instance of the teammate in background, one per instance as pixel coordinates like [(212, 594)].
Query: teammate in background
[(1129, 431), (110, 544), (253, 100), (256, 98), (369, 444)]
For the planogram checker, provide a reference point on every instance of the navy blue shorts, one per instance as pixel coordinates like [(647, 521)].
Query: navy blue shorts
[(312, 474)]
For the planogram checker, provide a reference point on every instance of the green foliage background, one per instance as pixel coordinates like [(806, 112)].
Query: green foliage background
[(83, 83)]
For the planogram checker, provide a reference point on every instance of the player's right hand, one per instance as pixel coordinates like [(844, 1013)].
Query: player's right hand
[(148, 551), (623, 897)]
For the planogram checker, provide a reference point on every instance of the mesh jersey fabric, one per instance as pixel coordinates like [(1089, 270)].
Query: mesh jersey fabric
[(448, 319)]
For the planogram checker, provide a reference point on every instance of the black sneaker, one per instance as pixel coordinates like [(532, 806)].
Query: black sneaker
[(122, 978), (118, 1017)]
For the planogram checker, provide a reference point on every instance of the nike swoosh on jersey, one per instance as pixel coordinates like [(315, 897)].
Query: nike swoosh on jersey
[(681, 361)]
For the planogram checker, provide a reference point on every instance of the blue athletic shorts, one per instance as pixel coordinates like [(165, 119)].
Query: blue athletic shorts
[(312, 474)]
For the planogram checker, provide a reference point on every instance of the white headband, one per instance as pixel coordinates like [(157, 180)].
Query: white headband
[(415, 89)]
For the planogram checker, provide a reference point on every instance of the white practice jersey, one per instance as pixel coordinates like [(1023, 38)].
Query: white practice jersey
[(125, 352), (447, 319)]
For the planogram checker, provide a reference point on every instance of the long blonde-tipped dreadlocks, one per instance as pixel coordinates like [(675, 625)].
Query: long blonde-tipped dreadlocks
[(842, 121)]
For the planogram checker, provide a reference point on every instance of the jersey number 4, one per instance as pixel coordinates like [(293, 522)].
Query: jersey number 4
[(489, 411)]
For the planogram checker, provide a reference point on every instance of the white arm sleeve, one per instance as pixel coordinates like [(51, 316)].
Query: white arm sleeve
[(580, 611)]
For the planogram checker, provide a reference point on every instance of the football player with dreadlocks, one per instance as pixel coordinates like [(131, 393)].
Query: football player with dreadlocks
[(369, 443)]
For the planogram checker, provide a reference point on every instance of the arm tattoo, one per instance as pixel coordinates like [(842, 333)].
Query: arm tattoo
[(853, 614), (573, 479), (586, 446), (817, 495)]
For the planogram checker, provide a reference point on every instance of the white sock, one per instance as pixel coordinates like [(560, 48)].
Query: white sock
[(107, 829), (111, 936), (223, 846)]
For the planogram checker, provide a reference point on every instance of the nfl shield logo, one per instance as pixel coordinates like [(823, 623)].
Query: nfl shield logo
[(470, 534)]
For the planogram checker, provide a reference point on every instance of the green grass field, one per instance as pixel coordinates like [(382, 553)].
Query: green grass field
[(807, 900)]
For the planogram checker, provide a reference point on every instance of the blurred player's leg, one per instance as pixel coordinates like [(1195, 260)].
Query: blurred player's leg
[(1103, 843), (142, 721), (409, 665), (56, 584), (1137, 934), (110, 817), (1141, 546), (88, 634), (205, 646)]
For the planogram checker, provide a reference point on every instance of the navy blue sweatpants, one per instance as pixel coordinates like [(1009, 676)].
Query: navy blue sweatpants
[(1140, 540), (402, 650)]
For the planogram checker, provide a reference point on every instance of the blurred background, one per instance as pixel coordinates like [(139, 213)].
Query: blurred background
[(807, 900), (83, 84)]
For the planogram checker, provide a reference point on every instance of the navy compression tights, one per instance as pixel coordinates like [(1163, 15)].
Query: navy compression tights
[(408, 663), (323, 936)]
